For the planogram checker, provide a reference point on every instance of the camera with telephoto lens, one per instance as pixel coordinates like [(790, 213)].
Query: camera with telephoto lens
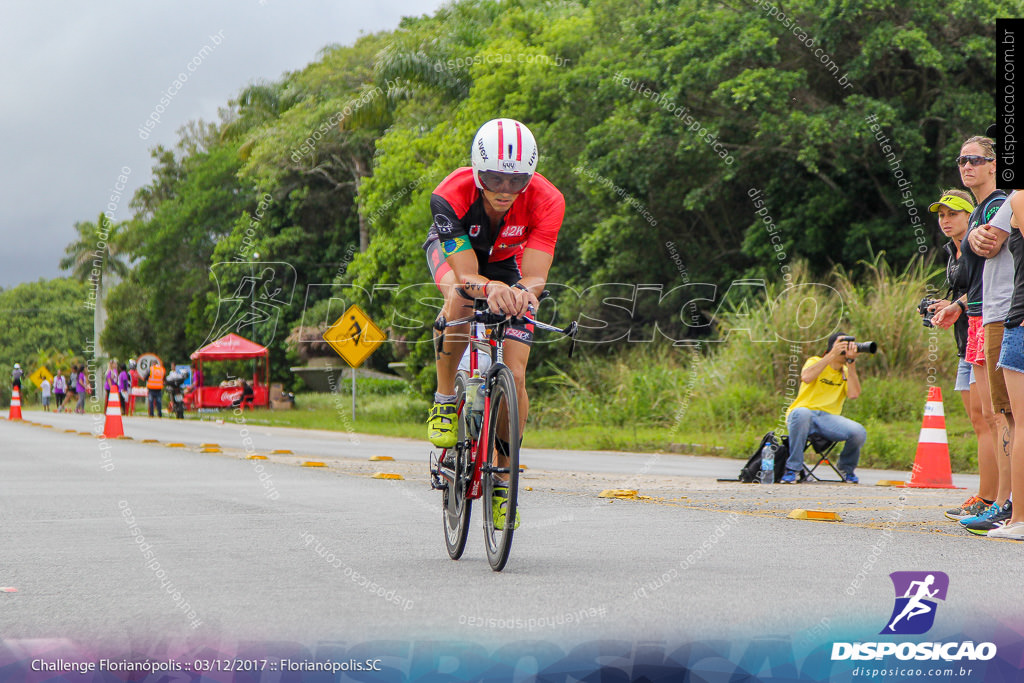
[(927, 315), (862, 347)]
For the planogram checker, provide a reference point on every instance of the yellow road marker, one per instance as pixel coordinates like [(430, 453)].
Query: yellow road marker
[(211, 450), (175, 445), (257, 457), (313, 463), (891, 482), (381, 458), (281, 451), (618, 493), (388, 475), (817, 515)]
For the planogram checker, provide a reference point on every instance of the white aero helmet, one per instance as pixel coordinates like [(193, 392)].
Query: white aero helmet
[(504, 156)]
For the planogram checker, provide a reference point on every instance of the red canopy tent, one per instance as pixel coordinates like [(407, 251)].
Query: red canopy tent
[(229, 347)]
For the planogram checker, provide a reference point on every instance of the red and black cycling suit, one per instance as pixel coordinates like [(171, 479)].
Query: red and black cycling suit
[(460, 222), (457, 205)]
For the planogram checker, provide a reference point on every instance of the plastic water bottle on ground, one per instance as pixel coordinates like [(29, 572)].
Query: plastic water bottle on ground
[(768, 464)]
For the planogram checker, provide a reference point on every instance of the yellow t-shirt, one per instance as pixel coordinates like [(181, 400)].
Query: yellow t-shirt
[(827, 392)]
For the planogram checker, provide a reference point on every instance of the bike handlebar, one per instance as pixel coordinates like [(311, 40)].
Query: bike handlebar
[(484, 316)]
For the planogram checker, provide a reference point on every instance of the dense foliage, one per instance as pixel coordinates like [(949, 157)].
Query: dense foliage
[(658, 120)]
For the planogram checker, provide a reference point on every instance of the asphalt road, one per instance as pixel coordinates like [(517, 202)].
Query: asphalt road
[(234, 549)]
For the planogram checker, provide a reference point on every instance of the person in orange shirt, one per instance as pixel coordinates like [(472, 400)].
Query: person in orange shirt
[(155, 384)]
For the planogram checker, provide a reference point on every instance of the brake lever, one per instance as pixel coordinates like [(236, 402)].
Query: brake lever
[(571, 333)]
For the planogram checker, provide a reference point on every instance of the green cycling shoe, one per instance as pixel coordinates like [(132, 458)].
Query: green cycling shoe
[(442, 425), (499, 508)]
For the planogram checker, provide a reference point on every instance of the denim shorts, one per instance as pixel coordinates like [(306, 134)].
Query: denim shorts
[(964, 376), (1011, 356)]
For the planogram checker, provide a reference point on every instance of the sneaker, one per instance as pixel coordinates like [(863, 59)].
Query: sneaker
[(851, 478), (991, 510), (442, 428), (997, 520), (788, 477), (1011, 530), (974, 505), (499, 506)]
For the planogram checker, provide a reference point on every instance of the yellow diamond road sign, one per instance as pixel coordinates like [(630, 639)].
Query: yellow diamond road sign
[(39, 375), (354, 336)]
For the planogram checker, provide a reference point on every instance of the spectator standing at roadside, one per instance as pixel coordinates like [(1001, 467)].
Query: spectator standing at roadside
[(44, 390), (954, 209), (978, 174), (133, 382), (123, 384), (1011, 360), (60, 389), (72, 386), (16, 374), (110, 381), (155, 384), (81, 388)]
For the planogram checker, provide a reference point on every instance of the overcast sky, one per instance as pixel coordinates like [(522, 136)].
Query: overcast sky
[(78, 79)]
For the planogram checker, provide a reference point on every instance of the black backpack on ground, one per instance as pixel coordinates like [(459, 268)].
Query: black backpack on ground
[(750, 471)]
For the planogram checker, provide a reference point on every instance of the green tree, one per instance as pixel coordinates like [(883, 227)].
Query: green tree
[(97, 257), (40, 316)]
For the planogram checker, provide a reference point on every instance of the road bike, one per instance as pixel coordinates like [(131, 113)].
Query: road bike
[(488, 412)]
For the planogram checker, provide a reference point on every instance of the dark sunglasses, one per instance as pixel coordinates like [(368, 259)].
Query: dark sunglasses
[(504, 183), (973, 160)]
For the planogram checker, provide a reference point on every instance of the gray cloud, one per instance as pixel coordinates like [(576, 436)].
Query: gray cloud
[(78, 79)]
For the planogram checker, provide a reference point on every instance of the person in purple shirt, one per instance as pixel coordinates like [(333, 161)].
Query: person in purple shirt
[(123, 385)]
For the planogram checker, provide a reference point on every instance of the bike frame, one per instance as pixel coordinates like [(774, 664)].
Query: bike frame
[(487, 334), (481, 340)]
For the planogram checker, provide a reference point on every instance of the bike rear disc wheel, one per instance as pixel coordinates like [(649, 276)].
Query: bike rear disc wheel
[(503, 423), (455, 507)]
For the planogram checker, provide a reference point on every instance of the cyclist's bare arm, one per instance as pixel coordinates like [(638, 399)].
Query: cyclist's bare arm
[(501, 298), (535, 267), (467, 276), (518, 301)]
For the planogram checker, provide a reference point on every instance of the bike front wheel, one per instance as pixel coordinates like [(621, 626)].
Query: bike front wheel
[(500, 471), (456, 506)]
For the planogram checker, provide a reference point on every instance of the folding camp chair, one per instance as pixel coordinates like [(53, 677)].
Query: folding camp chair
[(823, 448)]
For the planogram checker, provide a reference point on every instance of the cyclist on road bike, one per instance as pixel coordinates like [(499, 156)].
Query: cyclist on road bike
[(493, 237)]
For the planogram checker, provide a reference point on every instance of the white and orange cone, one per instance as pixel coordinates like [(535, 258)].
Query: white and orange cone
[(15, 413), (113, 427), (931, 465)]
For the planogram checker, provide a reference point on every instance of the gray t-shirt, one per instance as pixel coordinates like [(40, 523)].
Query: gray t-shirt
[(997, 278)]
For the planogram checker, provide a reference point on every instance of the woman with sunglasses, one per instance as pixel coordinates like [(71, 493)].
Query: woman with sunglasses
[(954, 209), (978, 174), (493, 237)]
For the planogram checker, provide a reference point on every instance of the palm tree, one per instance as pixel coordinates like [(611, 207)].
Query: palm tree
[(94, 256)]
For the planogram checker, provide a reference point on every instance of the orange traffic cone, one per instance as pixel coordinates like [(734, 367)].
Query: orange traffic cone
[(931, 465), (15, 405), (113, 427)]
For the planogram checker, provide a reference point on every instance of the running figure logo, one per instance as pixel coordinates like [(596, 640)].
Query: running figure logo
[(251, 296), (916, 595)]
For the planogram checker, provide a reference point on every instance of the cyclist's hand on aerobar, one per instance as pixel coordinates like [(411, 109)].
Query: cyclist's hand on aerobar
[(507, 300)]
